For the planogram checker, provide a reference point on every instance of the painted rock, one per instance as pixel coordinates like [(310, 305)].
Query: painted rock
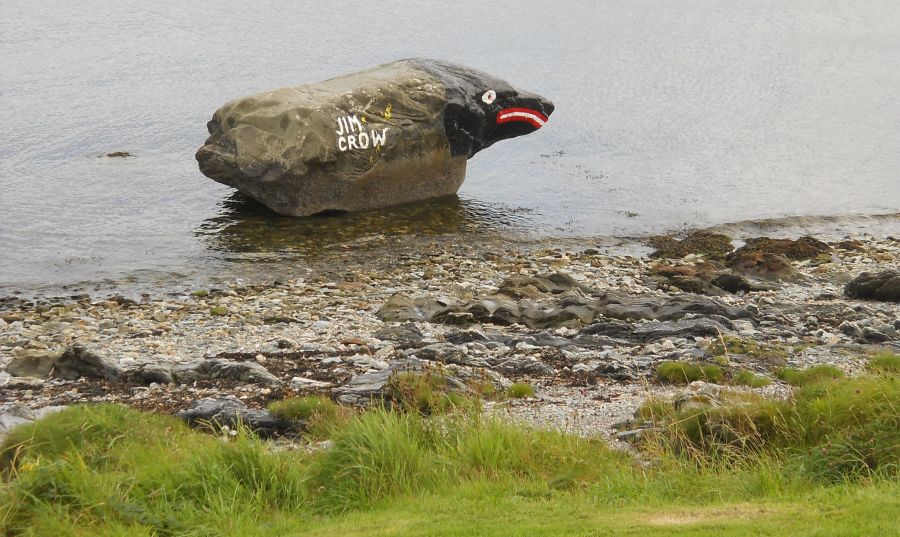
[(396, 133)]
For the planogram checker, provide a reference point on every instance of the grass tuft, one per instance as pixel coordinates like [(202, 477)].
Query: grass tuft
[(833, 429), (672, 372), (520, 390), (427, 392), (751, 379), (760, 352), (321, 415), (885, 362), (811, 375)]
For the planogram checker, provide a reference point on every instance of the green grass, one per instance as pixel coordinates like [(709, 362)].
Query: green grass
[(321, 416), (824, 461), (885, 362), (671, 372), (760, 352), (811, 375), (751, 379), (831, 430), (484, 509), (520, 390), (427, 392), (218, 311)]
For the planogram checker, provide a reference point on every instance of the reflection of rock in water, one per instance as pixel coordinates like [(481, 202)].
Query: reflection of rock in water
[(246, 226)]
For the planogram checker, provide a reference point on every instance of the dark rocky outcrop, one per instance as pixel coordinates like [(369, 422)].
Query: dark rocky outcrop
[(79, 362), (883, 286), (656, 330), (707, 278), (229, 411), (403, 335)]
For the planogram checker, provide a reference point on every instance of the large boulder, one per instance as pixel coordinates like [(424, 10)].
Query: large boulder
[(884, 286), (393, 134)]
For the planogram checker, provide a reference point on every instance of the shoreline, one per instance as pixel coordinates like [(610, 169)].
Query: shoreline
[(322, 332), (289, 259)]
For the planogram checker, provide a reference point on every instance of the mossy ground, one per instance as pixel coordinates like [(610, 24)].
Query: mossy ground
[(760, 352), (825, 462)]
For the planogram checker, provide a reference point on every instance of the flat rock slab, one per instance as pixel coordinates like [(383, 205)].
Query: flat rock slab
[(211, 369), (73, 363), (656, 330), (553, 302)]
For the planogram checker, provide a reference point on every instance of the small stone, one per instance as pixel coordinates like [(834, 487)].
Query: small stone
[(302, 383), (743, 327), (384, 352)]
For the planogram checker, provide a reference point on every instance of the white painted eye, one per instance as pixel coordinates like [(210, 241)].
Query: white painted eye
[(489, 96)]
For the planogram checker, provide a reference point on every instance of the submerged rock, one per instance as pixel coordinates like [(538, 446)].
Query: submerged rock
[(883, 286), (393, 134)]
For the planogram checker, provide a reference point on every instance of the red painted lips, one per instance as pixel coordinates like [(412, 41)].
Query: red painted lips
[(527, 115)]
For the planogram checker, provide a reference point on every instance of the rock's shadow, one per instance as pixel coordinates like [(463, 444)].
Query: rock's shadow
[(244, 227)]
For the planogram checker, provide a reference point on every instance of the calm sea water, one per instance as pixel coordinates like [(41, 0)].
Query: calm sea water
[(669, 114)]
